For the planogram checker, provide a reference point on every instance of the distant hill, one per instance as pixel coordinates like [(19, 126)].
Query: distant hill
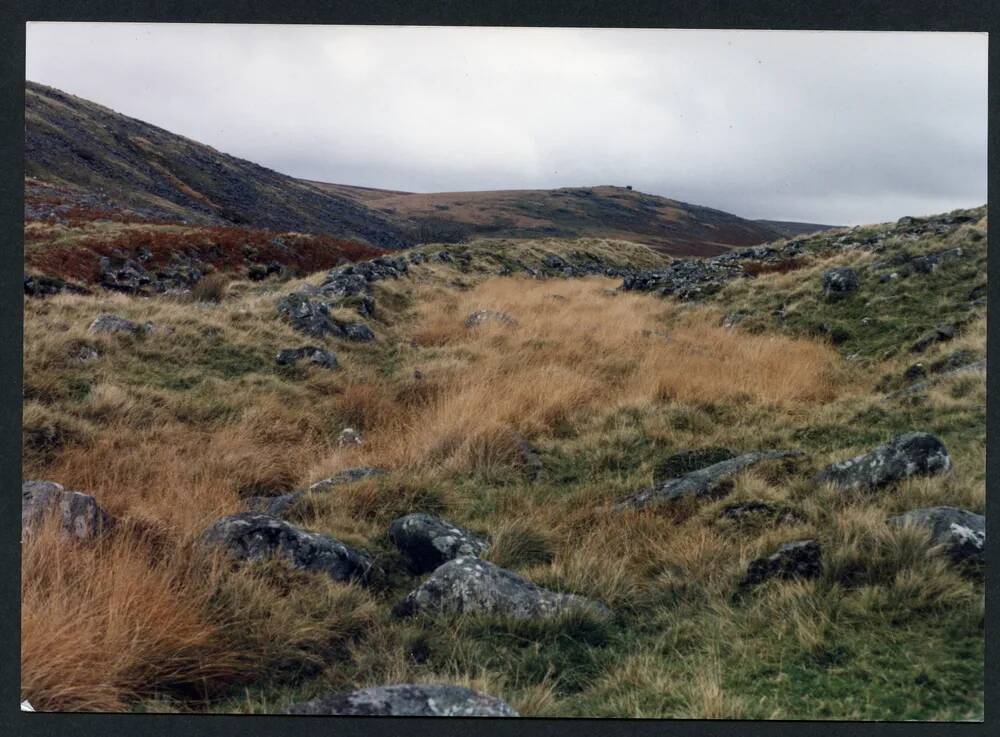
[(161, 175), (91, 154), (792, 229), (609, 212)]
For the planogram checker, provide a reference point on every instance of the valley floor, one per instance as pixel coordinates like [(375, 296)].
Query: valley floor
[(174, 428)]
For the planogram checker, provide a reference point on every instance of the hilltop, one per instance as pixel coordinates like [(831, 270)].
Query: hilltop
[(617, 213), (654, 443)]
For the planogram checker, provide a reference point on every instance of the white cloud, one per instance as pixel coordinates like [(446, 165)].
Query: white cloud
[(830, 127)]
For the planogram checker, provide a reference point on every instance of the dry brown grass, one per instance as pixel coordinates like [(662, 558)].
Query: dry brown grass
[(102, 624), (571, 356)]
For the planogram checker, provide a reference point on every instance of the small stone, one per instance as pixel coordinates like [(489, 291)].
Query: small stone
[(407, 700), (481, 316), (349, 436), (79, 514)]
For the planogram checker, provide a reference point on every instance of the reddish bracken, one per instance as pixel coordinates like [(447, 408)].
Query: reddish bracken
[(225, 248)]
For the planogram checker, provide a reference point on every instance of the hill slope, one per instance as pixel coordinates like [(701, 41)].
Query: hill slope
[(161, 175)]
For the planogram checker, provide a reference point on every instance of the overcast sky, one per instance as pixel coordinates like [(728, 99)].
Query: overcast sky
[(828, 127)]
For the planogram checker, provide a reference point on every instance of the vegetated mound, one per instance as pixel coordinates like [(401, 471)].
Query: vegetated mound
[(620, 213), (97, 154)]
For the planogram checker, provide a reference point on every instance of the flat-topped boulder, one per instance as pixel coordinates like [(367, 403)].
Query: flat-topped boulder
[(469, 585), (710, 482), (960, 533), (257, 536), (407, 700), (903, 457), (427, 541), (79, 514)]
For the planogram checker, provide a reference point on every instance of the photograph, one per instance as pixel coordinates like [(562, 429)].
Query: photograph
[(502, 371)]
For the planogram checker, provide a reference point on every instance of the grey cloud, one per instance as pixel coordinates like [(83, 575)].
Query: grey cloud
[(825, 127)]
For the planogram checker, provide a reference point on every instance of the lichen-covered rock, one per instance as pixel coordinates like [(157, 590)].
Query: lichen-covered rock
[(347, 477), (912, 454), (79, 514), (961, 533), (470, 585), (314, 354), (687, 461), (482, 316), (115, 324), (840, 282), (710, 482), (407, 700), (312, 317), (427, 542), (256, 536), (796, 559)]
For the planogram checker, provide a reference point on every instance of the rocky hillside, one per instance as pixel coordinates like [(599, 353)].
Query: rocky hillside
[(546, 478), (620, 213), (95, 156)]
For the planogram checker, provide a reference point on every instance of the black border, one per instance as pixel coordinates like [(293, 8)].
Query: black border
[(860, 15)]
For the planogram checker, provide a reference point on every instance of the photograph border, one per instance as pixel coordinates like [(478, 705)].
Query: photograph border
[(886, 15)]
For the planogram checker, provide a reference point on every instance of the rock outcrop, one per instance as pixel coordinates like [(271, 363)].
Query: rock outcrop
[(960, 533), (79, 514), (710, 482), (687, 461), (469, 585), (427, 542), (407, 700), (912, 454), (255, 536)]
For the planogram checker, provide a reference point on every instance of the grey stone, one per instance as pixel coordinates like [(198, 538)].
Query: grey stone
[(427, 542), (961, 533), (481, 316), (912, 454), (79, 514), (840, 282), (256, 536), (470, 585), (115, 324), (409, 700), (710, 482)]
